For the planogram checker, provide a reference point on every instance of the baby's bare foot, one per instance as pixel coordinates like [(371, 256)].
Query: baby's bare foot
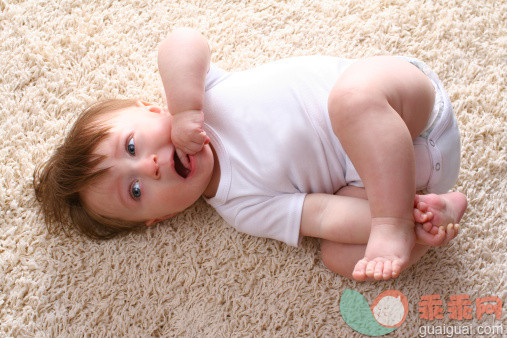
[(438, 216), (388, 249)]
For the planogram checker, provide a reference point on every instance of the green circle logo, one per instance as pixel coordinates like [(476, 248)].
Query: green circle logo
[(387, 312)]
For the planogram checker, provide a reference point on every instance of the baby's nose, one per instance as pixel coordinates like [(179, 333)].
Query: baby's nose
[(150, 167)]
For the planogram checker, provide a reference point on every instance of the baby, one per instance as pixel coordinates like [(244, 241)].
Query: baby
[(311, 146)]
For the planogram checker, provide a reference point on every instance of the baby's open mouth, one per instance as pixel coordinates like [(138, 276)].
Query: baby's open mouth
[(179, 167)]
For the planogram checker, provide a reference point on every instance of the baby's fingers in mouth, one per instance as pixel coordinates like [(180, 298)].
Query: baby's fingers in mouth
[(183, 158)]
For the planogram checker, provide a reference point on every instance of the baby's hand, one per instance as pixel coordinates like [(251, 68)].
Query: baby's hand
[(187, 134)]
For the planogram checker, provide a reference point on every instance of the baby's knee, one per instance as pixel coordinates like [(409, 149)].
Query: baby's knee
[(333, 259), (353, 103), (346, 98)]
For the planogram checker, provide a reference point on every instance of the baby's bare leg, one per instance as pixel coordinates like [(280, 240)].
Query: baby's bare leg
[(431, 211), (436, 216), (376, 108), (342, 258)]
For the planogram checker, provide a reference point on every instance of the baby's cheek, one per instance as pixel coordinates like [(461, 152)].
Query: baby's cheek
[(162, 127)]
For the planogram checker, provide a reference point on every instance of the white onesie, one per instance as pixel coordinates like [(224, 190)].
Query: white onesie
[(271, 131)]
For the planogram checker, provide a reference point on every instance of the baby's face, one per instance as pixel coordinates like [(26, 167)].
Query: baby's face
[(142, 183)]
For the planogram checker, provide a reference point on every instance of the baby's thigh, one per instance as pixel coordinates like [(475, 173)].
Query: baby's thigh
[(383, 84), (424, 167)]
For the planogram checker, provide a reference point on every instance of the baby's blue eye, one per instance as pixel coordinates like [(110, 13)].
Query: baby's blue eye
[(135, 190), (131, 148)]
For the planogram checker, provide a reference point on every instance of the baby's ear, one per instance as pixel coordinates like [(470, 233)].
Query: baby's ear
[(154, 221), (141, 103), (150, 106)]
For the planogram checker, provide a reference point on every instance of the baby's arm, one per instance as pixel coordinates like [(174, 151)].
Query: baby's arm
[(183, 61), (346, 218), (336, 218)]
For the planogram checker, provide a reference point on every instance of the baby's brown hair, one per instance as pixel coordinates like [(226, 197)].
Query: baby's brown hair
[(59, 181)]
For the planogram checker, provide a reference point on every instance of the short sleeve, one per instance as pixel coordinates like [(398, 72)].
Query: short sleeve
[(277, 217), (351, 175), (214, 76)]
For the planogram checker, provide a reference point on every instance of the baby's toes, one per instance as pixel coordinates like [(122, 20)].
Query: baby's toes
[(396, 269), (370, 268), (359, 272), (427, 227), (388, 270), (429, 214), (422, 206), (419, 216), (434, 237), (430, 228), (433, 229), (451, 232), (441, 236), (379, 271)]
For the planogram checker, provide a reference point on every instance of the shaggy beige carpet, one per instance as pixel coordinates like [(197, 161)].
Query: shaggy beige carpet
[(194, 275)]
